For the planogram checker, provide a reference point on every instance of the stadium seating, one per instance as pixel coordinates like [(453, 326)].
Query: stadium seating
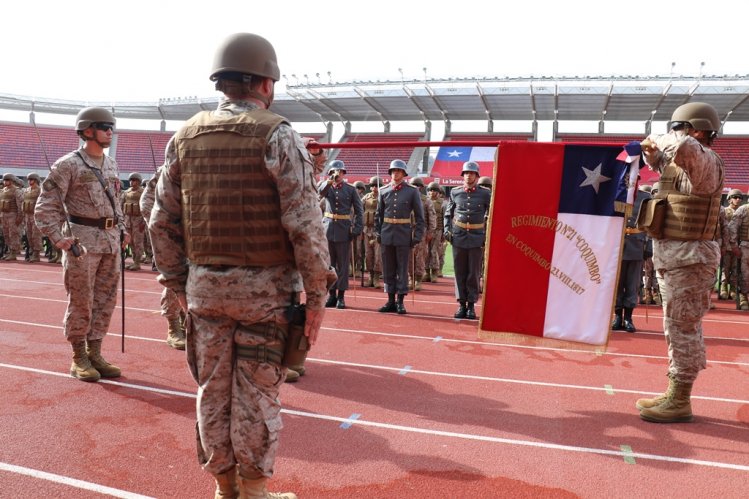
[(21, 148), (139, 151), (368, 162)]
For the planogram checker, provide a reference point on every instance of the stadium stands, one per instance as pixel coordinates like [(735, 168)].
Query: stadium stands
[(139, 151), (368, 162), (21, 149)]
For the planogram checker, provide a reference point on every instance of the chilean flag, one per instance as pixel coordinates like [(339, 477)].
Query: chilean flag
[(554, 245), (449, 160)]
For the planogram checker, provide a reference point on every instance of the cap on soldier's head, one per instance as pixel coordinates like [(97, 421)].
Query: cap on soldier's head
[(485, 181), (90, 115), (470, 166), (33, 176), (417, 181), (398, 164), (245, 54), (375, 182), (336, 164), (135, 176)]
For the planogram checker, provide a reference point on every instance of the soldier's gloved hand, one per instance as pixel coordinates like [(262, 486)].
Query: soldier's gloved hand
[(448, 236)]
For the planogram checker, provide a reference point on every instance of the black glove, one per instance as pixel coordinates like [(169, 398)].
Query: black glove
[(448, 236)]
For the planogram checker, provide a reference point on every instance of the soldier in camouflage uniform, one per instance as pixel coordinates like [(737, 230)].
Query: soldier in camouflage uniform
[(372, 256), (465, 228), (685, 253), (421, 250), (74, 190), (357, 242), (436, 257), (738, 245), (236, 266), (170, 307), (11, 215), (33, 235), (134, 222), (650, 293), (728, 279), (397, 232)]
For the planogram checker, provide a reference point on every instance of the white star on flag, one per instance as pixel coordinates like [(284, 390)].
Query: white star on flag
[(594, 177), (454, 154)]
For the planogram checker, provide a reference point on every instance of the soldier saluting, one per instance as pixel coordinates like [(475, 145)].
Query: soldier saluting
[(395, 204)]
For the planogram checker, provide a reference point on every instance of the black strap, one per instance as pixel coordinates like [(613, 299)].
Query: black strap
[(100, 178)]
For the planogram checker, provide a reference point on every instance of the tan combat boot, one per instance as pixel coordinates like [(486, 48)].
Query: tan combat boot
[(11, 256), (226, 485), (81, 367), (417, 286), (370, 281), (136, 263), (650, 403), (34, 257), (175, 335), (254, 488), (107, 370), (676, 408), (743, 303), (377, 283), (723, 295)]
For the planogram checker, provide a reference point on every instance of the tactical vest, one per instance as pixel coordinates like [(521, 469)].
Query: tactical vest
[(230, 205), (370, 207), (744, 230), (688, 217), (8, 200), (131, 202), (437, 202), (29, 200)]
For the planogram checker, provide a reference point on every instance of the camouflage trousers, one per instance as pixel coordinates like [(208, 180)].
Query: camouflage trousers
[(729, 268), (170, 307), (11, 232), (33, 234), (91, 284), (372, 254), (419, 257), (686, 298), (238, 409), (649, 279), (436, 257), (137, 228), (744, 268)]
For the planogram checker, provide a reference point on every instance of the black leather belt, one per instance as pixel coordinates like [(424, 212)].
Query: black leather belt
[(102, 223)]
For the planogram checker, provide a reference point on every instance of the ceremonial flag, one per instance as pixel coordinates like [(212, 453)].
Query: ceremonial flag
[(555, 239), (449, 160)]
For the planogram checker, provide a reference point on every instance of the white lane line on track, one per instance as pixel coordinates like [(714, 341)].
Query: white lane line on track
[(73, 482), (449, 434)]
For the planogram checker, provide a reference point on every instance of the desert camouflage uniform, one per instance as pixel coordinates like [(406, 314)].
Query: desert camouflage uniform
[(436, 258), (239, 413), (372, 256), (739, 220), (33, 234), (170, 307), (11, 214), (90, 281), (686, 269), (421, 249), (728, 258), (134, 223)]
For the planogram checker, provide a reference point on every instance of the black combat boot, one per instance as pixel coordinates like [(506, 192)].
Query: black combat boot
[(399, 307), (628, 325), (332, 299), (461, 312), (618, 324), (340, 303), (390, 305), (470, 312)]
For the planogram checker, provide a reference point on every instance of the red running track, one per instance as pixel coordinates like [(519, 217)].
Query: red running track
[(391, 407)]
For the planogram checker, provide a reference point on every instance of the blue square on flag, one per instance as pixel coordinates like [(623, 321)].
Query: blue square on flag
[(591, 178), (461, 154)]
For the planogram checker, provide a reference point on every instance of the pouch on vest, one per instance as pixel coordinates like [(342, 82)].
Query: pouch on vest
[(297, 345), (651, 217)]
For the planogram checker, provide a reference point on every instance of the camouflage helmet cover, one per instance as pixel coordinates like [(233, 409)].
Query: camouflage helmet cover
[(336, 165), (90, 115), (700, 115), (246, 53), (470, 166), (398, 164)]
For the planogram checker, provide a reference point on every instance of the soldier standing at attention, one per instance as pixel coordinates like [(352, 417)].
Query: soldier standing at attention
[(465, 228), (397, 201), (421, 250), (372, 256), (738, 245), (340, 199), (84, 187), (134, 222), (170, 307), (33, 235), (728, 283), (361, 189), (436, 252), (685, 253), (237, 259), (11, 214)]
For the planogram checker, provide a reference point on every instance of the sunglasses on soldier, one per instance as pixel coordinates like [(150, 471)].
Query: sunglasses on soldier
[(735, 197), (104, 127), (679, 125)]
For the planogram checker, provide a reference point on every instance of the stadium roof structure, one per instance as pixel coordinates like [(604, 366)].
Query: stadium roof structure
[(622, 98)]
